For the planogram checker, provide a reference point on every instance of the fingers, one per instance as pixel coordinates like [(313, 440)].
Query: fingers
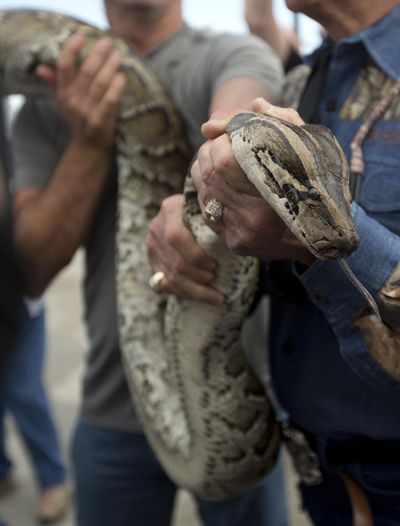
[(248, 224), (217, 123), (107, 107), (92, 79), (67, 62), (216, 167), (98, 70), (165, 257), (286, 114), (185, 288), (172, 249), (88, 93)]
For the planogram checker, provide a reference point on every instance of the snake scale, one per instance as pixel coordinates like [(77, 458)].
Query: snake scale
[(203, 410)]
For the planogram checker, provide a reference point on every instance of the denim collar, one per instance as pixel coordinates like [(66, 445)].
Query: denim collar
[(381, 41)]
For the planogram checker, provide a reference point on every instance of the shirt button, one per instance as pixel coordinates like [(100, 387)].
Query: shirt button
[(288, 347), (331, 105), (320, 298)]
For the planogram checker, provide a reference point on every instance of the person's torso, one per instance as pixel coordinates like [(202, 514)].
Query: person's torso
[(314, 383)]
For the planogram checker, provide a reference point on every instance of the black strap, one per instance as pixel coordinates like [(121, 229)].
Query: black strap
[(280, 278), (293, 60), (311, 96)]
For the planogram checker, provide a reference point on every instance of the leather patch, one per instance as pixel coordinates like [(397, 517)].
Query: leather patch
[(382, 342), (371, 85), (383, 338)]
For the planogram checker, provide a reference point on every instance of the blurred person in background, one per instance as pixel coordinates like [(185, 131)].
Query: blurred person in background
[(22, 391), (23, 396)]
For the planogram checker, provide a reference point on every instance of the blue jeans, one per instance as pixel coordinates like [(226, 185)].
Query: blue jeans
[(329, 505), (119, 481), (22, 394)]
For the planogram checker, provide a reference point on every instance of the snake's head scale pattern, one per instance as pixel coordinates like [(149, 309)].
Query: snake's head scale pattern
[(303, 174)]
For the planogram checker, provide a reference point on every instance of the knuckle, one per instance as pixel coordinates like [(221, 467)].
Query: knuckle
[(110, 101), (99, 86), (173, 275), (173, 237), (224, 161), (166, 204), (292, 115), (152, 227), (239, 243), (203, 152), (253, 222), (180, 266), (86, 71)]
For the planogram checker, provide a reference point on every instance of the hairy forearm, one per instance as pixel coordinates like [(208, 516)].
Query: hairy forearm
[(52, 223), (261, 22)]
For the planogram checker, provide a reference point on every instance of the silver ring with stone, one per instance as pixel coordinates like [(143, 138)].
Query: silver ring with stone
[(214, 210)]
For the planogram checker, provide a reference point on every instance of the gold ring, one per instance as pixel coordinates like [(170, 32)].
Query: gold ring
[(156, 280), (214, 210)]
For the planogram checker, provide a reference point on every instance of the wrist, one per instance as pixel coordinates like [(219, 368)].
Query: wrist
[(91, 151), (305, 258)]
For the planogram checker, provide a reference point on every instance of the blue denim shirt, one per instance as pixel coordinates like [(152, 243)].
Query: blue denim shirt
[(323, 372)]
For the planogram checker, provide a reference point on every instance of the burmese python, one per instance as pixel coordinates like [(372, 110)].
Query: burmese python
[(203, 410)]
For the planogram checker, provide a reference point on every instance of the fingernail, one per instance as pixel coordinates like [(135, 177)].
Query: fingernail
[(262, 105)]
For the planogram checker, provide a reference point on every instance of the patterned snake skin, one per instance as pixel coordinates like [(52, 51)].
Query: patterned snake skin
[(203, 410)]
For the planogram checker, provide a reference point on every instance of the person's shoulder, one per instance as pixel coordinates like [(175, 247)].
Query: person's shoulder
[(224, 38), (241, 40)]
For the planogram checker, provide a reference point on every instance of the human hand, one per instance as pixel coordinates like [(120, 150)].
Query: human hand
[(249, 226), (219, 120), (87, 96), (189, 272)]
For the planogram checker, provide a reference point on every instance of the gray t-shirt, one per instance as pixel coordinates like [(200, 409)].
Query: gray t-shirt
[(192, 65)]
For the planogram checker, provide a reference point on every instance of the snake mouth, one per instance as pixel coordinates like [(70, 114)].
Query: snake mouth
[(341, 246)]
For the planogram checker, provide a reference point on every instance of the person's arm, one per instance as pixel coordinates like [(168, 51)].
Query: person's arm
[(368, 345), (238, 92), (51, 222), (260, 19)]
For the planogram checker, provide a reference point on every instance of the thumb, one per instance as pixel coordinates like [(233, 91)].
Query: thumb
[(218, 122)]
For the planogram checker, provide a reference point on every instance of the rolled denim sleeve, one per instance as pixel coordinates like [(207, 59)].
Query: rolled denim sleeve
[(336, 296)]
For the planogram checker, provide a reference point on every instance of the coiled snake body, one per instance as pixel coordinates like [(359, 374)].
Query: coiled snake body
[(203, 410)]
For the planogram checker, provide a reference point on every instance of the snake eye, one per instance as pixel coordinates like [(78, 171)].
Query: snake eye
[(313, 193)]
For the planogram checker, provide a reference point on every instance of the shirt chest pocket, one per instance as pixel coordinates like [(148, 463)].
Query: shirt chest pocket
[(380, 190)]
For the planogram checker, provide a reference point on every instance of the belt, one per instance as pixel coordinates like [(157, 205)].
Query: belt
[(361, 451), (311, 453)]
